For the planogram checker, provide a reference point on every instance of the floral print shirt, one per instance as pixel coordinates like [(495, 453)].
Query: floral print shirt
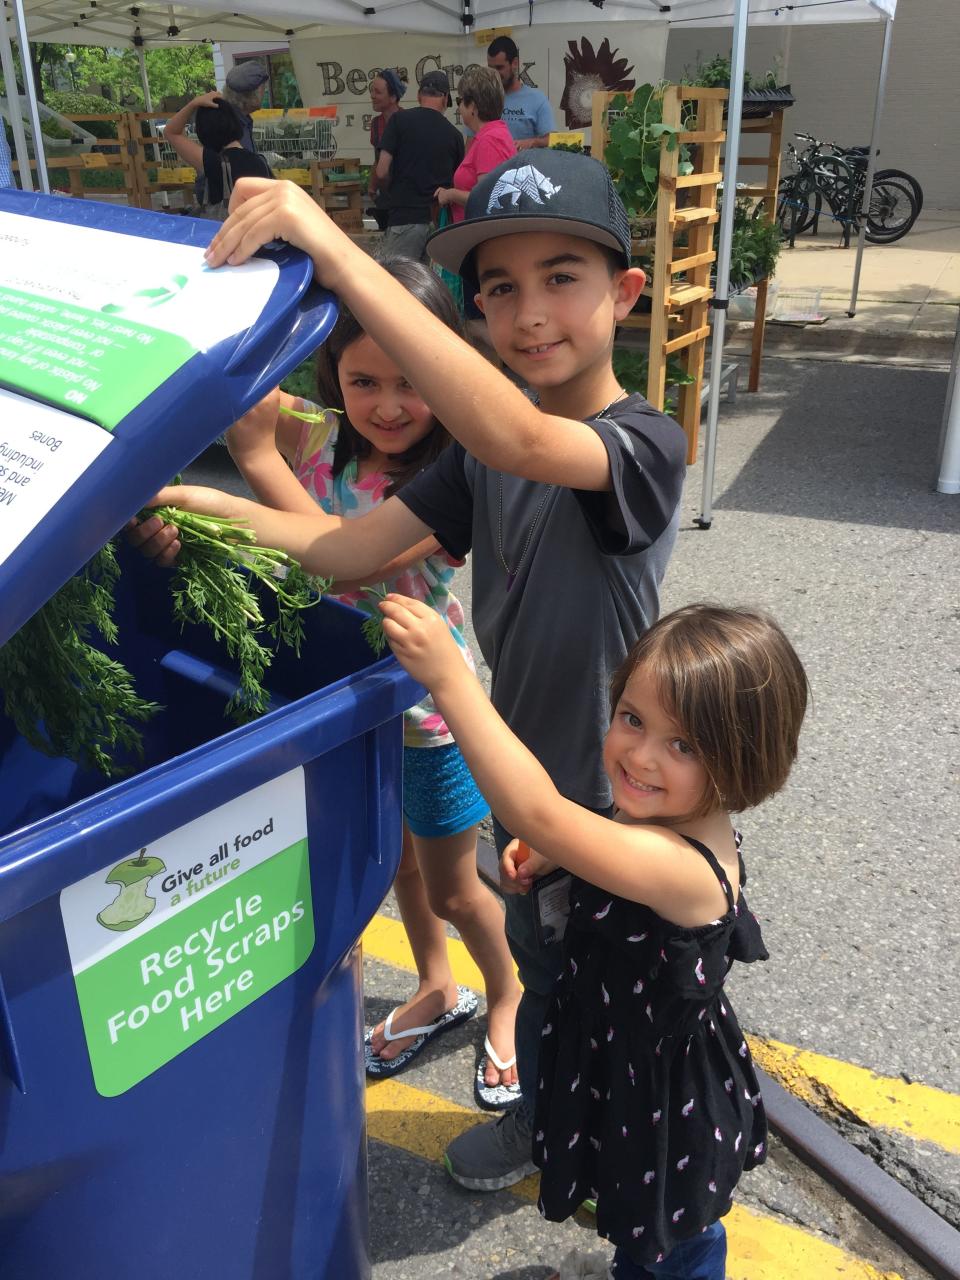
[(428, 580)]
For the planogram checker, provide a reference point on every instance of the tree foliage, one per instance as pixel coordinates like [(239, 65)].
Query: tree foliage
[(172, 72)]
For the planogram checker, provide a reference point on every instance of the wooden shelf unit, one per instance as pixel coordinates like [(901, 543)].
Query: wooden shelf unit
[(770, 128), (679, 316)]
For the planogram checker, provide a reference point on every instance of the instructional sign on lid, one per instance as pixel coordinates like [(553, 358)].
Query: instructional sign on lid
[(43, 451), (94, 321), (184, 933)]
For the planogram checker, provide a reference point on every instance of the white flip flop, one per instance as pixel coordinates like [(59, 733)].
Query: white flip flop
[(494, 1097), (375, 1067)]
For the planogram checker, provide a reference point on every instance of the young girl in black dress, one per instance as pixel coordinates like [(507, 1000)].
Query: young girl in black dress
[(647, 1097)]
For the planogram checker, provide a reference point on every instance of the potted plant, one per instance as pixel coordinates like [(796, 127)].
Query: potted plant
[(761, 94)]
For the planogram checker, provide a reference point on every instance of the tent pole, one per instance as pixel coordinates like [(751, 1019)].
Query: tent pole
[(141, 59), (871, 162), (721, 295), (31, 91), (13, 105), (948, 481)]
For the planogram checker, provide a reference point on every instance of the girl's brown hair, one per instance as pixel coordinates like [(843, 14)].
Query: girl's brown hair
[(427, 288), (733, 682)]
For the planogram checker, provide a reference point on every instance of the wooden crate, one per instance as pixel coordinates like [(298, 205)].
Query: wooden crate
[(342, 197)]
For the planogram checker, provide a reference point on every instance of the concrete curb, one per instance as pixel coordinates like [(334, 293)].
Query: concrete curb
[(915, 345), (917, 1229)]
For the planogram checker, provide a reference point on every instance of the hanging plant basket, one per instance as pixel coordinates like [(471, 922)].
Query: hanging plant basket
[(758, 103)]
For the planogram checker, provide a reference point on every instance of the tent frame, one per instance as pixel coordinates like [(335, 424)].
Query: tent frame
[(949, 469), (721, 297)]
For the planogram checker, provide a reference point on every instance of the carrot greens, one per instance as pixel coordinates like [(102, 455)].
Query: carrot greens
[(215, 577), (64, 695)]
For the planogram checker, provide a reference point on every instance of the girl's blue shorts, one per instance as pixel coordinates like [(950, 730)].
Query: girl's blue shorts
[(440, 797)]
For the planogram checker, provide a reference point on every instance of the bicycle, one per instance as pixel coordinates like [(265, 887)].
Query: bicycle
[(829, 173)]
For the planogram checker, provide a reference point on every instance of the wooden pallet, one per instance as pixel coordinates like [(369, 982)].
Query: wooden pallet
[(680, 291), (342, 199)]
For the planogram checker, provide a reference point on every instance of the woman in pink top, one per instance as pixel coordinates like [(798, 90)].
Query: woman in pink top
[(481, 106)]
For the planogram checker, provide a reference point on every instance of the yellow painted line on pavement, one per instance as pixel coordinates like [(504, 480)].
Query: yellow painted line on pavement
[(917, 1110), (385, 939), (884, 1102), (760, 1248)]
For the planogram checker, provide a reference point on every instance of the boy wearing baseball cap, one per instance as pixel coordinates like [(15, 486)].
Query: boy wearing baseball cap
[(567, 497)]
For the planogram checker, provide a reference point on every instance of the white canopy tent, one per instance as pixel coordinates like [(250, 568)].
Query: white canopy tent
[(117, 23)]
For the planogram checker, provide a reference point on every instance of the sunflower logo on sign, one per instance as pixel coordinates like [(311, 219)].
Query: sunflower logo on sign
[(589, 72)]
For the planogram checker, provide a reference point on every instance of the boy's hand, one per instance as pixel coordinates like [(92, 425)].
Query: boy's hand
[(520, 866), (421, 641), (264, 209), (256, 431)]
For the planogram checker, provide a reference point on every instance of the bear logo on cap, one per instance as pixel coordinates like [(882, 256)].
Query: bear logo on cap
[(525, 181)]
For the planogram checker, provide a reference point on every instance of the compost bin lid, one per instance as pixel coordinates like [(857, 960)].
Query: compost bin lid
[(122, 356)]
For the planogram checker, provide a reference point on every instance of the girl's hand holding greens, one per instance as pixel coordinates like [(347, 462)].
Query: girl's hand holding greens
[(422, 642), (256, 431)]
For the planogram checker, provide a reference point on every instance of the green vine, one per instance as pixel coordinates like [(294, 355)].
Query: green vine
[(637, 136)]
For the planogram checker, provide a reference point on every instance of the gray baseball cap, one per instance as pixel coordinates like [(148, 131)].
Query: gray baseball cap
[(537, 190), (436, 84), (247, 76)]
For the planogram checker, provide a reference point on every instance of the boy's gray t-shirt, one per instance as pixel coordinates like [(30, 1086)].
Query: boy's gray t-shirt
[(564, 581)]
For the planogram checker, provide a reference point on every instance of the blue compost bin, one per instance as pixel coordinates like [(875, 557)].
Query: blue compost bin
[(181, 1082), (217, 1131)]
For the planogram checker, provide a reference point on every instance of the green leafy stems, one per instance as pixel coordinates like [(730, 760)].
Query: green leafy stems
[(65, 696), (214, 579), (637, 135), (372, 627)]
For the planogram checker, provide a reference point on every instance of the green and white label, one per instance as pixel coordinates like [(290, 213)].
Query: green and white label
[(94, 321), (170, 942)]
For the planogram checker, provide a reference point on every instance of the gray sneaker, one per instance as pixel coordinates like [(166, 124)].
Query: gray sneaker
[(492, 1156)]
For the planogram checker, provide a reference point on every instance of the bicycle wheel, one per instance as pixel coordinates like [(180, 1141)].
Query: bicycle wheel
[(900, 176), (839, 184), (893, 211), (798, 205)]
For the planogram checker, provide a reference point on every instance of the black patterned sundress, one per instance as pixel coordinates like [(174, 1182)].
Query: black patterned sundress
[(647, 1099)]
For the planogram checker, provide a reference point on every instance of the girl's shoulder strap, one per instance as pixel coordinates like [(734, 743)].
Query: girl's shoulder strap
[(716, 868)]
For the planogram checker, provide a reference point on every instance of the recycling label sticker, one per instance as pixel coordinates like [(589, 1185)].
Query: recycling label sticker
[(94, 320), (171, 941)]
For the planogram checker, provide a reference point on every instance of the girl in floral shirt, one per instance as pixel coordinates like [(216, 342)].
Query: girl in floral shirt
[(373, 435)]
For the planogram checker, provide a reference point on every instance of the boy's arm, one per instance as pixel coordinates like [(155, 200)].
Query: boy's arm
[(481, 408), (327, 546), (647, 864)]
